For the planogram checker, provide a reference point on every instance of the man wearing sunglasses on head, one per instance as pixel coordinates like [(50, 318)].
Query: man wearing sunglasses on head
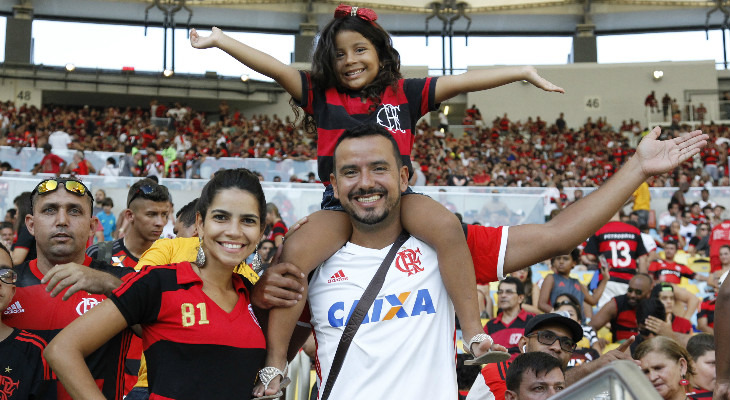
[(146, 216), (63, 283), (552, 333), (23, 371)]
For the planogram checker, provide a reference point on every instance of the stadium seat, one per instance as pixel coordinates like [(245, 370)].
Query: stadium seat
[(610, 346), (699, 265)]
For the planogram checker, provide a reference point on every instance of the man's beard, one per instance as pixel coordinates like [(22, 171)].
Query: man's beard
[(370, 217)]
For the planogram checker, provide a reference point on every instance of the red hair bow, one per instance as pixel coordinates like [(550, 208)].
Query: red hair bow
[(343, 10)]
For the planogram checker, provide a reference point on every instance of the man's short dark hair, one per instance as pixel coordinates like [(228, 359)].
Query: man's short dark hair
[(5, 225), (158, 193), (700, 344), (538, 362), (186, 215), (519, 287), (650, 307), (366, 130)]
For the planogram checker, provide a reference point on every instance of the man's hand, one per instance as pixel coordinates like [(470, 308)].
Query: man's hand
[(660, 327), (78, 277), (659, 156), (281, 285), (622, 352)]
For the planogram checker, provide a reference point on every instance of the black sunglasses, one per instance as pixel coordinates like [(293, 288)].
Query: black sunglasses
[(8, 275), (564, 303), (144, 191), (72, 186), (548, 338)]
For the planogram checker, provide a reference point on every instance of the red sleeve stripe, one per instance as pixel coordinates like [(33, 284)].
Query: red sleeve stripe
[(135, 277), (126, 340), (37, 341), (426, 98)]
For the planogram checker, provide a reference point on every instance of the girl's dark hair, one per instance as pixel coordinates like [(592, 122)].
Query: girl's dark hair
[(661, 287), (323, 58), (700, 344), (239, 178)]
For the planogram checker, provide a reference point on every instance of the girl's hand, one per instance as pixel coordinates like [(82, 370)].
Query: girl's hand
[(205, 42), (533, 77)]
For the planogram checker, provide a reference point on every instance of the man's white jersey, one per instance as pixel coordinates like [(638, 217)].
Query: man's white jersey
[(405, 347)]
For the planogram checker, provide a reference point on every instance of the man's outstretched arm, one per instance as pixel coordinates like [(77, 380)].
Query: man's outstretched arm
[(529, 244)]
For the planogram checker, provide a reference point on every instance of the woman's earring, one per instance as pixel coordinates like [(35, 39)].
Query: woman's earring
[(256, 263), (200, 258), (684, 381)]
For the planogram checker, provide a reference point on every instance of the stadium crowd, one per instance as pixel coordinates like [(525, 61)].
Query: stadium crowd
[(502, 152), (659, 290)]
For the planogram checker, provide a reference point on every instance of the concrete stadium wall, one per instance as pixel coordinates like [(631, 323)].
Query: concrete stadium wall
[(620, 90)]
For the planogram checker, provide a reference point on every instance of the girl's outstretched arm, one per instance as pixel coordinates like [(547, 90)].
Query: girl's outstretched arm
[(285, 75), (483, 79)]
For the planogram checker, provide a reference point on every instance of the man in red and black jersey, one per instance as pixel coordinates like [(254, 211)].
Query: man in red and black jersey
[(669, 271), (147, 209), (146, 214), (624, 250), (621, 310), (509, 325), (61, 222), (706, 315)]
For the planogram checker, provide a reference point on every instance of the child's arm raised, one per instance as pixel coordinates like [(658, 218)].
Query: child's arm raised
[(472, 81), (285, 75)]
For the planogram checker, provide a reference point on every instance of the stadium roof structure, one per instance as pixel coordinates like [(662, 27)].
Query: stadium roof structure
[(403, 17)]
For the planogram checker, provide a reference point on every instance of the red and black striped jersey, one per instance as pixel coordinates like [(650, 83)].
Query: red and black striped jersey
[(194, 349), (34, 309), (707, 310), (24, 373), (670, 271), (335, 111), (491, 380), (623, 326), (622, 245), (508, 334), (121, 257)]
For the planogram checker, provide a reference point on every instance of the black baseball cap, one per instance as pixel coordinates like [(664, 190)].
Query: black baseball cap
[(558, 319)]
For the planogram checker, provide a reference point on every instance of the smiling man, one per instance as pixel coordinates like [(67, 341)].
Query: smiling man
[(367, 179), (412, 313)]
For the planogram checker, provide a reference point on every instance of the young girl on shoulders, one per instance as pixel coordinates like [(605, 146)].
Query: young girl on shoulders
[(355, 78)]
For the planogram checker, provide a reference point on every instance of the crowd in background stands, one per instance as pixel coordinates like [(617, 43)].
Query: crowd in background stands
[(502, 152)]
